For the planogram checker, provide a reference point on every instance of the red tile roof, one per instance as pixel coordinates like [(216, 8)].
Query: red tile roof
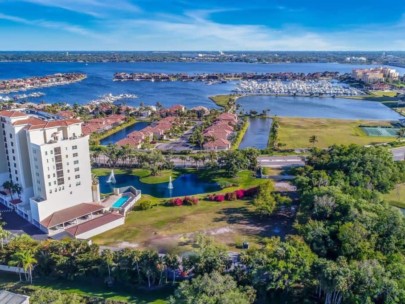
[(69, 214), (94, 223), (29, 121), (55, 123), (12, 113)]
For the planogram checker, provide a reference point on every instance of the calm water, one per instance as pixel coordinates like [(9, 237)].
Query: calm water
[(185, 184), (257, 135), (99, 81), (326, 107), (112, 139)]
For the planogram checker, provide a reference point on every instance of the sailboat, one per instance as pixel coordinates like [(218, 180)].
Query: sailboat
[(111, 178)]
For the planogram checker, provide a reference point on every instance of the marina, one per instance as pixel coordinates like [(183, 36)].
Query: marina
[(296, 87)]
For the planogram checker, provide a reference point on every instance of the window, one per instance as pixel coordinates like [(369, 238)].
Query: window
[(78, 184), (77, 176), (15, 172), (75, 162), (50, 184), (74, 147), (75, 155), (77, 169)]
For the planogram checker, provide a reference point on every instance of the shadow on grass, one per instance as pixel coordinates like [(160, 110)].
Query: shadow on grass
[(280, 223), (90, 288)]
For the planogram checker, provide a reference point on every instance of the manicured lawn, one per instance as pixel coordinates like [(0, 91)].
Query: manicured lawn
[(383, 93), (144, 174), (295, 132), (88, 288), (397, 196)]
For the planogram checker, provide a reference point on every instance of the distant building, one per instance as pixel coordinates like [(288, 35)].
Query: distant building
[(7, 297), (374, 75)]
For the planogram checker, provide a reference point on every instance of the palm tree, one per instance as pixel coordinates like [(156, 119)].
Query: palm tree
[(4, 235), (16, 188), (107, 257), (313, 140), (8, 185), (25, 260), (173, 262), (400, 134), (184, 159)]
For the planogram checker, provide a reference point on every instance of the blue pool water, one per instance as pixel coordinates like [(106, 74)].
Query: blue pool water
[(120, 202), (185, 184)]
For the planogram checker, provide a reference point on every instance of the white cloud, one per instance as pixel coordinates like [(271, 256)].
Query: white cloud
[(95, 8), (52, 25)]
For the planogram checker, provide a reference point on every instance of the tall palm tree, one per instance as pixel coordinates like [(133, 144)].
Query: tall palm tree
[(400, 134), (313, 140), (25, 260)]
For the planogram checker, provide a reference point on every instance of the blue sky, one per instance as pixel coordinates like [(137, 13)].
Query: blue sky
[(202, 25)]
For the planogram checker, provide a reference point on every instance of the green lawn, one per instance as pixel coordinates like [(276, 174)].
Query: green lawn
[(171, 228), (87, 288), (379, 96), (144, 174), (168, 228), (223, 100), (397, 196), (295, 132)]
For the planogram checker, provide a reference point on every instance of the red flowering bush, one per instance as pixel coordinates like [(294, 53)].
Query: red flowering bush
[(190, 200), (240, 193), (176, 202), (219, 198), (230, 196)]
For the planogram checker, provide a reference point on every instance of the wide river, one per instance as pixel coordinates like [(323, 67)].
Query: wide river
[(190, 94)]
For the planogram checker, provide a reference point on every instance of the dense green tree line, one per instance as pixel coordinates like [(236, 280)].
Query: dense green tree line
[(349, 245)]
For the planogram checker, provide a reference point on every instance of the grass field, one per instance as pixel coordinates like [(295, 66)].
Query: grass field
[(376, 96), (144, 174), (88, 288), (169, 228), (397, 196), (223, 100), (295, 132)]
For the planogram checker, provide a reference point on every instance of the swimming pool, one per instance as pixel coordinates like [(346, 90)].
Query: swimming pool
[(120, 202)]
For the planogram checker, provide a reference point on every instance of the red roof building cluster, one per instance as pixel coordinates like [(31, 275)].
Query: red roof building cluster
[(157, 130), (97, 125), (220, 132)]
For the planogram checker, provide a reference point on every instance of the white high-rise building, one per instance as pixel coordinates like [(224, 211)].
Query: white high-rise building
[(50, 161)]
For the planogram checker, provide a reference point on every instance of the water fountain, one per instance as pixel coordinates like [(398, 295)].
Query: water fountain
[(170, 186), (111, 178)]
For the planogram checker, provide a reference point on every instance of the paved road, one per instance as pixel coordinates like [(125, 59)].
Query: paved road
[(17, 225), (280, 161), (398, 153)]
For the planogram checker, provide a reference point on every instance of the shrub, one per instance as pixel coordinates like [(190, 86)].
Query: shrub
[(219, 198), (145, 205), (240, 193), (251, 191), (210, 197), (190, 200), (230, 196), (176, 202)]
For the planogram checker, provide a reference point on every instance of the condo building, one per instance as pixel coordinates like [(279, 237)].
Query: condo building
[(50, 161)]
